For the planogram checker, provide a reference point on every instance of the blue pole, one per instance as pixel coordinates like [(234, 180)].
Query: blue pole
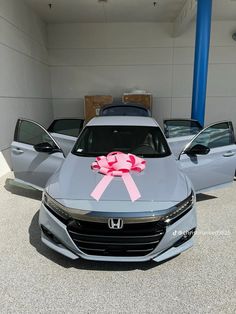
[(202, 45)]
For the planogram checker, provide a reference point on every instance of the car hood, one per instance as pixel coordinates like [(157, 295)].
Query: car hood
[(161, 181)]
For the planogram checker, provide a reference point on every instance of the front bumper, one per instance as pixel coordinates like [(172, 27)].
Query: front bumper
[(62, 243)]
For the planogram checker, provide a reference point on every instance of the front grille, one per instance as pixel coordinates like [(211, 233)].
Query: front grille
[(137, 239)]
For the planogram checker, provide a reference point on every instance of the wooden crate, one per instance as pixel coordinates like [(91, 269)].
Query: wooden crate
[(144, 99), (92, 105)]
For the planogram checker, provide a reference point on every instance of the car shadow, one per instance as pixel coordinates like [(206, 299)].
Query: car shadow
[(22, 190), (35, 241), (204, 197)]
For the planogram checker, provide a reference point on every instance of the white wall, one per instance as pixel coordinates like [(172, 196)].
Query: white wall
[(113, 58), (109, 59), (25, 87)]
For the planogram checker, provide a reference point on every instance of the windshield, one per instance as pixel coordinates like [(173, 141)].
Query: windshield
[(139, 140)]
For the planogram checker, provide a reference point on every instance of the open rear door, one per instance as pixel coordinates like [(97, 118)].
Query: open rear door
[(217, 168), (29, 165)]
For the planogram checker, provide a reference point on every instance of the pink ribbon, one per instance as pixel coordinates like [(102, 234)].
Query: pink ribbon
[(117, 164)]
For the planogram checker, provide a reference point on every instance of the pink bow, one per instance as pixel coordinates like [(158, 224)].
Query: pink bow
[(117, 164)]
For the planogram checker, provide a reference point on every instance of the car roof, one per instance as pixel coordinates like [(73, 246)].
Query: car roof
[(121, 103), (123, 120)]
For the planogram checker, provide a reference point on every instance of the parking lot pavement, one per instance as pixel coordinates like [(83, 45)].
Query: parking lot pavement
[(34, 279)]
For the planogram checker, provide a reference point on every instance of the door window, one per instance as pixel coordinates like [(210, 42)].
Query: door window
[(28, 132), (217, 135), (177, 128), (71, 127)]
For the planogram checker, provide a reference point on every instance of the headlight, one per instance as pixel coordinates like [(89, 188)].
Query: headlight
[(55, 206), (180, 209)]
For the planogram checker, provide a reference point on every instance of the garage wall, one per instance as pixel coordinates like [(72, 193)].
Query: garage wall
[(116, 57), (111, 59), (25, 89)]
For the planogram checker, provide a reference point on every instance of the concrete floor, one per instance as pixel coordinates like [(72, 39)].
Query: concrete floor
[(34, 279)]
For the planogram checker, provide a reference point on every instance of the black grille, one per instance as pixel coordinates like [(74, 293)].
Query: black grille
[(137, 239)]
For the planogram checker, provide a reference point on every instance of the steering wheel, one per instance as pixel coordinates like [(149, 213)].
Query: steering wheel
[(143, 149)]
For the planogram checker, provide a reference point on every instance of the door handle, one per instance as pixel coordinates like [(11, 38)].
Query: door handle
[(229, 154), (17, 151)]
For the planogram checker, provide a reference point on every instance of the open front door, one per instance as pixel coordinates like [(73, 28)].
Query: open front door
[(35, 154), (213, 167), (179, 132), (65, 132)]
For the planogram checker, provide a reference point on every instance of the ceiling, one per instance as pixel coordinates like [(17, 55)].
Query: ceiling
[(63, 11)]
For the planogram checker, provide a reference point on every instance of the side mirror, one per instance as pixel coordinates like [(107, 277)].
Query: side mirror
[(198, 149), (45, 148)]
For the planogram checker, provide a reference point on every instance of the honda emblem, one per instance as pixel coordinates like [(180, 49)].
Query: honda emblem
[(115, 223)]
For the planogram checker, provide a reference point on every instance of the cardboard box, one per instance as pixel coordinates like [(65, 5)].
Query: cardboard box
[(144, 99), (93, 104)]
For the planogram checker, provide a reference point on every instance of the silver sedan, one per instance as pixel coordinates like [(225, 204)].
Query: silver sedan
[(158, 224)]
